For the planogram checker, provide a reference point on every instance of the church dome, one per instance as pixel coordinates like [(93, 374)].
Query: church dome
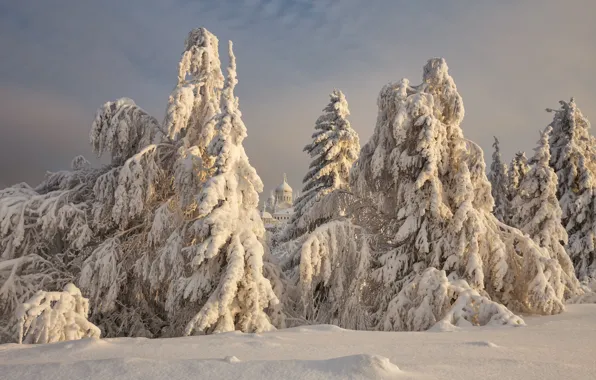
[(283, 187)]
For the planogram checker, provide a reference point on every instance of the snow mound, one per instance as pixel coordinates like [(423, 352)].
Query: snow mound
[(483, 343), (547, 348), (347, 367), (317, 328), (231, 359)]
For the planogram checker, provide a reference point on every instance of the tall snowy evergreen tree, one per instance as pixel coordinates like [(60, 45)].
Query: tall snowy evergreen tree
[(429, 183), (573, 159), (165, 234), (334, 149), (498, 179), (536, 212), (229, 224), (148, 195), (326, 265)]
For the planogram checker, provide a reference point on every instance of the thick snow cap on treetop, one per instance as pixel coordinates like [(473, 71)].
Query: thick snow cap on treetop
[(195, 99)]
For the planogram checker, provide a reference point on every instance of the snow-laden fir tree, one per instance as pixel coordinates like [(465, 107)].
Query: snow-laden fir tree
[(191, 228), (429, 183), (148, 193), (50, 317), (498, 180), (334, 149), (168, 229), (536, 212), (42, 230), (229, 230), (326, 265), (517, 171), (573, 159)]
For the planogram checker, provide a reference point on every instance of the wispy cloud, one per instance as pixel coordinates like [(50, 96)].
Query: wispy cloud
[(510, 61)]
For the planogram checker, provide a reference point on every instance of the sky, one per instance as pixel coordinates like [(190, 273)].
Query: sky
[(61, 60)]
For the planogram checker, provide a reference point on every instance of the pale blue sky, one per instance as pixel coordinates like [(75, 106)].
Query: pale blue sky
[(60, 60)]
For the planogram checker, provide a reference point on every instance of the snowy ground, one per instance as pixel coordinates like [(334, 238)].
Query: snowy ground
[(558, 347)]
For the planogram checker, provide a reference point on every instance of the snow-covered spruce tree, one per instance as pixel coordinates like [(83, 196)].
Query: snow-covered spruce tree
[(498, 180), (430, 184), (228, 232), (536, 212), (326, 265), (573, 159), (517, 171), (50, 317), (334, 149), (181, 216), (145, 218)]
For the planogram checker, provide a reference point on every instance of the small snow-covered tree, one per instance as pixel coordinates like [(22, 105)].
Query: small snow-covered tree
[(498, 179), (334, 149), (50, 317), (573, 159), (429, 183), (331, 276), (517, 171), (536, 212), (431, 300)]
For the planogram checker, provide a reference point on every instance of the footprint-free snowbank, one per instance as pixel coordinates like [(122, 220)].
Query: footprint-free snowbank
[(554, 347), (347, 367)]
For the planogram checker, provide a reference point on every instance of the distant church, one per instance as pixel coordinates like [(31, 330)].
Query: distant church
[(279, 208)]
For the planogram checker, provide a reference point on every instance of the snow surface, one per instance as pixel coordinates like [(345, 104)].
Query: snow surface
[(553, 347)]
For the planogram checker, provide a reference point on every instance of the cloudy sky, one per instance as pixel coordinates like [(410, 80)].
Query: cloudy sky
[(60, 60)]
